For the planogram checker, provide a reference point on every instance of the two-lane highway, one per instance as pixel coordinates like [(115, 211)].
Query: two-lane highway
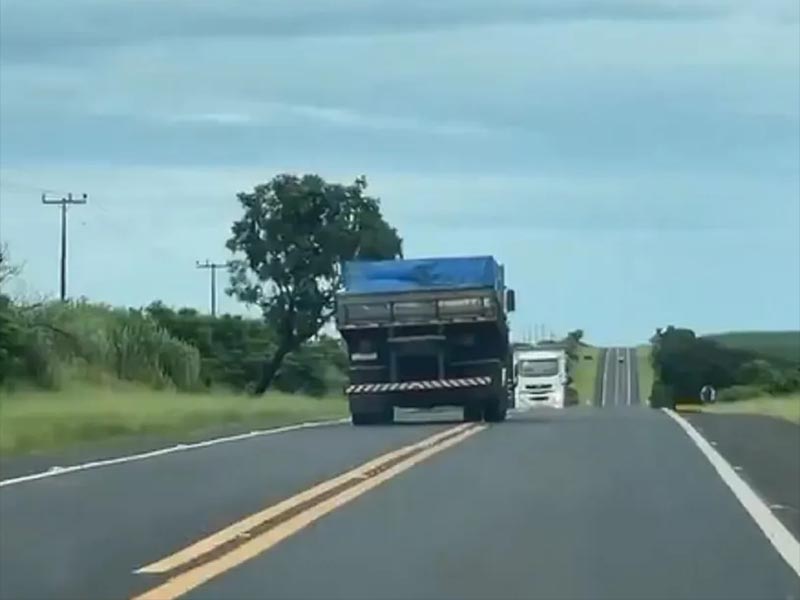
[(618, 381), (578, 503)]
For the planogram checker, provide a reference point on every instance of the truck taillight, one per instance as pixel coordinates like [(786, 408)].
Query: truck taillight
[(464, 305)]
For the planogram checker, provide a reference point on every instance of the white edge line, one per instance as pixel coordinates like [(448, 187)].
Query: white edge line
[(780, 537), (53, 471), (605, 379)]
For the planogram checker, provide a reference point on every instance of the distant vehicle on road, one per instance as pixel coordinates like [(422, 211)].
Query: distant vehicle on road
[(621, 358), (540, 378), (426, 333)]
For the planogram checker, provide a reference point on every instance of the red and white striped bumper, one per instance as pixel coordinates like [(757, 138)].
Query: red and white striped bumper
[(415, 386)]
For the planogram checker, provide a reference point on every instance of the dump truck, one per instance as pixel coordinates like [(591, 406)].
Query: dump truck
[(425, 333)]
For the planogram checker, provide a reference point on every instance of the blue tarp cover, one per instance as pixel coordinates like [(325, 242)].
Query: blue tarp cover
[(368, 277)]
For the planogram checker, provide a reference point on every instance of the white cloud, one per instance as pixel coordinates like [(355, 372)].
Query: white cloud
[(93, 23), (219, 118)]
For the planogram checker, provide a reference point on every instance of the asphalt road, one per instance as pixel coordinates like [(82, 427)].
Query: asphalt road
[(766, 452), (579, 503), (618, 378)]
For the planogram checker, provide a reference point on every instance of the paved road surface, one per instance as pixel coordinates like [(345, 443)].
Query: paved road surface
[(581, 503), (618, 379), (766, 452)]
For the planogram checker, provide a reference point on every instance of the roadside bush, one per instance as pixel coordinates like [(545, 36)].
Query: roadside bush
[(233, 349), (10, 343), (739, 392), (50, 343), (757, 372), (662, 396), (785, 382), (316, 369)]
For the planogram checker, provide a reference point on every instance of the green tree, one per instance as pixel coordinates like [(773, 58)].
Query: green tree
[(294, 235), (684, 363), (572, 343), (9, 328), (7, 270), (9, 337), (576, 335)]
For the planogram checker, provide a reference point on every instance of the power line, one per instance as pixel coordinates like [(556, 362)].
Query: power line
[(7, 183), (64, 202), (213, 267)]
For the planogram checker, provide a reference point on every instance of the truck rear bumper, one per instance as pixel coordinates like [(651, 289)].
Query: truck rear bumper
[(419, 386), (375, 396)]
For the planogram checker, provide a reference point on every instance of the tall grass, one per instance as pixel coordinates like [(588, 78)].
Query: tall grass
[(783, 407), (37, 420), (584, 373), (62, 341), (646, 373)]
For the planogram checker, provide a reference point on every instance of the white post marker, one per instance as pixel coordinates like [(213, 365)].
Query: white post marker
[(604, 391), (780, 537)]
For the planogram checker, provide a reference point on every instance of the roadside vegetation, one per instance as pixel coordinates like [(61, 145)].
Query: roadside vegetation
[(584, 373), (780, 346), (645, 371), (781, 407), (37, 420), (78, 370), (784, 407), (748, 378)]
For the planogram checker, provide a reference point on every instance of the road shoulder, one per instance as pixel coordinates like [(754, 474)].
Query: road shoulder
[(765, 451), (21, 465)]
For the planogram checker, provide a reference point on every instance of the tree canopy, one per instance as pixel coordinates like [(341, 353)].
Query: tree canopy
[(294, 235), (7, 270), (684, 363)]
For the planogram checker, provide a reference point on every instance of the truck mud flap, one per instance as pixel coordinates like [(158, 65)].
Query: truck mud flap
[(413, 386)]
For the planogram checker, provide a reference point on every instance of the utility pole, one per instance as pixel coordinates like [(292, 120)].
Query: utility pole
[(213, 266), (64, 202)]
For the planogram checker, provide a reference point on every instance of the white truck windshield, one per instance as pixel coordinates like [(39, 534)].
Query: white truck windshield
[(538, 368)]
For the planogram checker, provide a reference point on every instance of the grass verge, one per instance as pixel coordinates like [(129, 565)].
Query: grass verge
[(646, 373), (38, 420), (783, 407), (584, 371)]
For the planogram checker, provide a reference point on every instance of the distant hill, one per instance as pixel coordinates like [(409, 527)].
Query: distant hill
[(781, 346)]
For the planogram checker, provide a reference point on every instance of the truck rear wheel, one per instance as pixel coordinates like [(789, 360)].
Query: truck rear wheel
[(384, 416), (495, 411), (387, 415), (362, 418), (473, 413)]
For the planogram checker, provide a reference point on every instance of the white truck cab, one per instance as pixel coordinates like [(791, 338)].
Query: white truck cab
[(540, 378)]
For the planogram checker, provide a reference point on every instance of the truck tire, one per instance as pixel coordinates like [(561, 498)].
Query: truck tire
[(387, 415), (473, 413), (365, 418), (384, 416), (495, 411)]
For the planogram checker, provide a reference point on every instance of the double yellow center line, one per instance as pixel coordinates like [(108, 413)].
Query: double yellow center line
[(212, 556)]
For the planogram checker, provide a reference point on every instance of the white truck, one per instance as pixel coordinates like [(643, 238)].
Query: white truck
[(540, 378)]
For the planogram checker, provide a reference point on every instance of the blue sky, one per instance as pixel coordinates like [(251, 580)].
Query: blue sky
[(634, 163)]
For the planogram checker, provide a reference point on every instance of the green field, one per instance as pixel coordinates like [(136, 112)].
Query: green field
[(40, 420), (646, 374), (783, 346), (784, 407), (584, 373)]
